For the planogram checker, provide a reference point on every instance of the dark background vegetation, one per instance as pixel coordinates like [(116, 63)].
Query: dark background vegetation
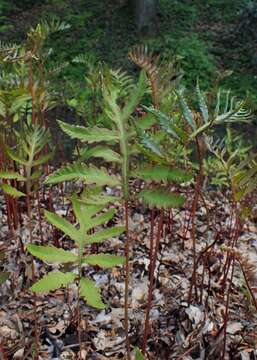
[(207, 36)]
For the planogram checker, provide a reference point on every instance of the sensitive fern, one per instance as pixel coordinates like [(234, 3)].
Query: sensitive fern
[(89, 218)]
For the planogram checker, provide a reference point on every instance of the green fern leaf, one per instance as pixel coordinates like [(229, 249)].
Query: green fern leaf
[(51, 254), (104, 234), (99, 199), (52, 281), (202, 103), (12, 154), (150, 144), (64, 225), (163, 173), (11, 191), (42, 159), (11, 175), (135, 97), (101, 219), (164, 121), (89, 135), (188, 115), (104, 260), (89, 174), (101, 152), (90, 293), (161, 199)]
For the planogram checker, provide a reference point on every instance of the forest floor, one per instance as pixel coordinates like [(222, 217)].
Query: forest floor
[(179, 330)]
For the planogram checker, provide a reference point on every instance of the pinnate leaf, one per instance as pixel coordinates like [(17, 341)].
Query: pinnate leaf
[(51, 254), (89, 135), (103, 152), (163, 173), (52, 281), (161, 198), (89, 174), (104, 234), (11, 191), (64, 225), (11, 175), (90, 293), (104, 260)]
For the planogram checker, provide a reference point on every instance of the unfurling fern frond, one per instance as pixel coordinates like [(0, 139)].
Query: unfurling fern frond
[(161, 198)]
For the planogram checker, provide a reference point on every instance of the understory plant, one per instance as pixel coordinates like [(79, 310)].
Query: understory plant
[(238, 173), (121, 97), (28, 159), (89, 216)]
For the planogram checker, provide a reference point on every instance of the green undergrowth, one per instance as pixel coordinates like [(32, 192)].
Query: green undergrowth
[(201, 35)]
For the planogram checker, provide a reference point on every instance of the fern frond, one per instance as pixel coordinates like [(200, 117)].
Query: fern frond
[(11, 191), (89, 135), (163, 173), (166, 123), (103, 152), (233, 111), (162, 76), (202, 103), (161, 199), (89, 174)]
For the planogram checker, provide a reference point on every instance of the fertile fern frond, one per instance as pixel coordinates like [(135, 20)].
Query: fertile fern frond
[(161, 76), (161, 199), (145, 60)]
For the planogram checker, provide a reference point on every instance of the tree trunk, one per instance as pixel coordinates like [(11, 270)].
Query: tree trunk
[(145, 13)]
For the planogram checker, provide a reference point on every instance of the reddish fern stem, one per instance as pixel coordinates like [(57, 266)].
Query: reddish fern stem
[(127, 246), (151, 284)]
